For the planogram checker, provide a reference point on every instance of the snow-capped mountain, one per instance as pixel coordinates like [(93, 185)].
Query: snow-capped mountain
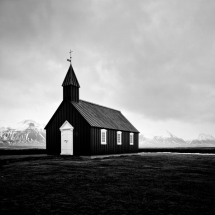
[(27, 132), (204, 139), (29, 124), (161, 138)]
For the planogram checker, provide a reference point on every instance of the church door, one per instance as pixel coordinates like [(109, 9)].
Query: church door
[(66, 138)]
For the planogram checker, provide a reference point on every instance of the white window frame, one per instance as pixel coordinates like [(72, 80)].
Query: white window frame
[(104, 131), (131, 139), (119, 141)]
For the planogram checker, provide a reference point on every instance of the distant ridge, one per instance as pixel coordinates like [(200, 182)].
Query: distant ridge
[(204, 139), (25, 133), (164, 138)]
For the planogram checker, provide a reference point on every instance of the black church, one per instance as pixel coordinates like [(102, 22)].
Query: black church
[(80, 127)]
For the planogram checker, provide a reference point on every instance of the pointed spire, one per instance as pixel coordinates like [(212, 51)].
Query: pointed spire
[(70, 78)]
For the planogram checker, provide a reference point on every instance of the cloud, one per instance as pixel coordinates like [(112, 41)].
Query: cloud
[(165, 62)]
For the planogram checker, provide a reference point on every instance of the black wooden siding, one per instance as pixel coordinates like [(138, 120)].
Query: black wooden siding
[(81, 132), (111, 147), (71, 93)]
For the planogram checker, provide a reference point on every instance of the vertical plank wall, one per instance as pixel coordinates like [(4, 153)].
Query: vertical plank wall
[(111, 147), (71, 93), (81, 132)]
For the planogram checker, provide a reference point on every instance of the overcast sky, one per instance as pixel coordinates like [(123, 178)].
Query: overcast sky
[(152, 60)]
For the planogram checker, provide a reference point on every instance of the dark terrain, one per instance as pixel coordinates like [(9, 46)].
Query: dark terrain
[(22, 150), (208, 150), (152, 183)]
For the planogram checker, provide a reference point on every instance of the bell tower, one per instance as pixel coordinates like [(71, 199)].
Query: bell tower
[(70, 85)]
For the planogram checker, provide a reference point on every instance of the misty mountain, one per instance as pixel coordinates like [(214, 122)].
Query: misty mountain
[(161, 138), (204, 139), (164, 138), (25, 133)]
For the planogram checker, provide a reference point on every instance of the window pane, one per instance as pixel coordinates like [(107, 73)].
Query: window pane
[(103, 136), (131, 139)]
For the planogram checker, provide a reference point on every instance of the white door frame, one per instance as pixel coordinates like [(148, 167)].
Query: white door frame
[(66, 138)]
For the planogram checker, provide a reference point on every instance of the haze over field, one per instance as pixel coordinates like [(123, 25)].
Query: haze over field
[(152, 60)]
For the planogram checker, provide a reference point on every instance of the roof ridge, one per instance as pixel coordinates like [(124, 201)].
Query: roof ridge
[(103, 117), (99, 105)]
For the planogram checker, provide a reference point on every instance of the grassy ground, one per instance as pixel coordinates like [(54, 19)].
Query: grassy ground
[(154, 183), (18, 151), (31, 151), (208, 150)]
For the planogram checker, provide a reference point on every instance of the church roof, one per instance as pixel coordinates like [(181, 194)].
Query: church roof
[(70, 78), (103, 117)]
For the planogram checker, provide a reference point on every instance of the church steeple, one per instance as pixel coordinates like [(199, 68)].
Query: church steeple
[(71, 86)]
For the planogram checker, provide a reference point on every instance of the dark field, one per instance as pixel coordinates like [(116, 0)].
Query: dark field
[(208, 150), (152, 183), (20, 151), (30, 151)]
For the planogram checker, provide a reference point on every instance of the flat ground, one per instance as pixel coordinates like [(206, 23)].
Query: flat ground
[(152, 183)]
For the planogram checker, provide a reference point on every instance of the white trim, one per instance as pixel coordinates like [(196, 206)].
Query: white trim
[(66, 126), (119, 138), (66, 138), (131, 138), (103, 136)]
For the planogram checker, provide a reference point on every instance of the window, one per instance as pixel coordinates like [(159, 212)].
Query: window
[(103, 136), (119, 138), (131, 139)]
